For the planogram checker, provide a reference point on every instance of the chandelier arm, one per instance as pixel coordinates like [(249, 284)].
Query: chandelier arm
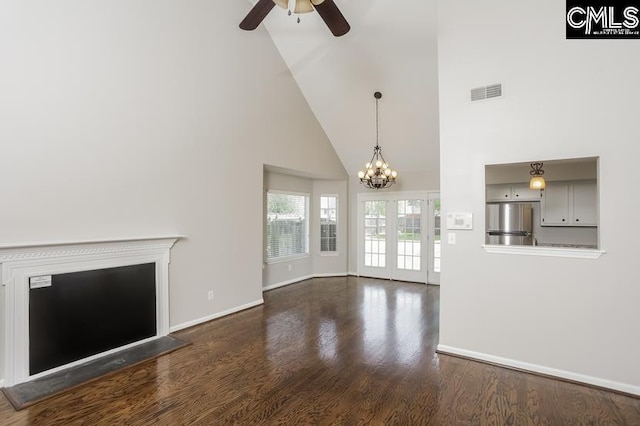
[(373, 159), (382, 158)]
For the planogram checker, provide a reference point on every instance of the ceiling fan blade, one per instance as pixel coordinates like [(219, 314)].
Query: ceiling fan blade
[(332, 16), (257, 15)]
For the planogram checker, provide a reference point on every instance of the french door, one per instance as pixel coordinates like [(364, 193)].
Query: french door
[(393, 236), (434, 238)]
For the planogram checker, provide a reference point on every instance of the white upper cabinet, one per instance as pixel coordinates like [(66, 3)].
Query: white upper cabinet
[(521, 192), (571, 203), (555, 205), (498, 192), (585, 197), (512, 192)]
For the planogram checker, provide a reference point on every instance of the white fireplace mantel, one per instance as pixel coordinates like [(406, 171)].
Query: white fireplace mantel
[(20, 261)]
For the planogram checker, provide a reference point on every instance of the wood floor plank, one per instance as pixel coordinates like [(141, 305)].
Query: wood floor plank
[(330, 351)]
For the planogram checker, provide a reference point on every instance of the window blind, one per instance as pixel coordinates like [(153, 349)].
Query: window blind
[(287, 225)]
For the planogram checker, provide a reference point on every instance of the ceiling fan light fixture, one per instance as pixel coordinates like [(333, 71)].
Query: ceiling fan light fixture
[(282, 3), (303, 6), (327, 10)]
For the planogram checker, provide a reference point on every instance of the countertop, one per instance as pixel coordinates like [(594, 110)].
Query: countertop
[(582, 246)]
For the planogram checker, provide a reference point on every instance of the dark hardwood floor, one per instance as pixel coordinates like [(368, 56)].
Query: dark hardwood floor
[(346, 351)]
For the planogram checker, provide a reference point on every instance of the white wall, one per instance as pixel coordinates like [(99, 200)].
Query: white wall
[(140, 118), (563, 99), (330, 263)]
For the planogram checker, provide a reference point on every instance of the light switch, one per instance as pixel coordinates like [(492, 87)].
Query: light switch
[(451, 237)]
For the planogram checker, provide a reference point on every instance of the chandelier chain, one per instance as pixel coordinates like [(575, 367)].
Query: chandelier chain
[(377, 118)]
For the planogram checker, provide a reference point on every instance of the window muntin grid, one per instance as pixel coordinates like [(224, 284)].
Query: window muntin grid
[(375, 233), (409, 234), (328, 224)]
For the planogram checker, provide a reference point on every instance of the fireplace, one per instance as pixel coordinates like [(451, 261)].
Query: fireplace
[(67, 303), (80, 314)]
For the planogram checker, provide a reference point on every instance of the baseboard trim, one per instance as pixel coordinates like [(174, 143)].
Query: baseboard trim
[(330, 275), (198, 321), (288, 282), (540, 370), (215, 316), (304, 278)]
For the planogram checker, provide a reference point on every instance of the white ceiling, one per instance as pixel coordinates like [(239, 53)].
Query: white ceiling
[(391, 48)]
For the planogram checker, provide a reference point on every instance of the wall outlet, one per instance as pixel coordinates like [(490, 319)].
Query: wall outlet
[(290, 267), (210, 295)]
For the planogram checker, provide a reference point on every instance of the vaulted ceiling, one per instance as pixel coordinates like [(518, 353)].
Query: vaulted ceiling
[(391, 48)]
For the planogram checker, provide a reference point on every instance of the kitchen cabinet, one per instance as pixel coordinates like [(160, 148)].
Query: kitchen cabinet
[(512, 192), (523, 193), (571, 203), (555, 204), (585, 196), (498, 192)]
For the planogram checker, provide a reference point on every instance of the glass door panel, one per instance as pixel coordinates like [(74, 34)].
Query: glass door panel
[(375, 234), (409, 234), (373, 241), (410, 257), (434, 238)]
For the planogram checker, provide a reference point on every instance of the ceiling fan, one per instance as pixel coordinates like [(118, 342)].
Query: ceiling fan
[(327, 10)]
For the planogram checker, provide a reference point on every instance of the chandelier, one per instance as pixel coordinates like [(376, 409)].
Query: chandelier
[(377, 173)]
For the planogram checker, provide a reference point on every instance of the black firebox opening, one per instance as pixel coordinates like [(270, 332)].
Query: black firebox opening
[(86, 313)]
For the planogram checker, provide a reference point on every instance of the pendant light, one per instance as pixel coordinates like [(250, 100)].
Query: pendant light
[(537, 181), (377, 174)]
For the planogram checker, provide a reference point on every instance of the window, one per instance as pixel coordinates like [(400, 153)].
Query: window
[(328, 223), (287, 225)]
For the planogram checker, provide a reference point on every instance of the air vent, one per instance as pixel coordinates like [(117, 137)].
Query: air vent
[(486, 92)]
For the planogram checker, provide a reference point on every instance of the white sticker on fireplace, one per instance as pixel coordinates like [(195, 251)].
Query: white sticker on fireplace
[(40, 282), (28, 266)]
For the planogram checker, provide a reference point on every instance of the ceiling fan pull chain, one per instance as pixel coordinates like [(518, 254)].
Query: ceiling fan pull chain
[(298, 19), (289, 13)]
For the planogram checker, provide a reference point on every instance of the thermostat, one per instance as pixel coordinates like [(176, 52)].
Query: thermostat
[(459, 220)]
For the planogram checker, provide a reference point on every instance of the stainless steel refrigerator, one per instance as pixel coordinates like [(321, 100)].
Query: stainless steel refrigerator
[(509, 224)]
